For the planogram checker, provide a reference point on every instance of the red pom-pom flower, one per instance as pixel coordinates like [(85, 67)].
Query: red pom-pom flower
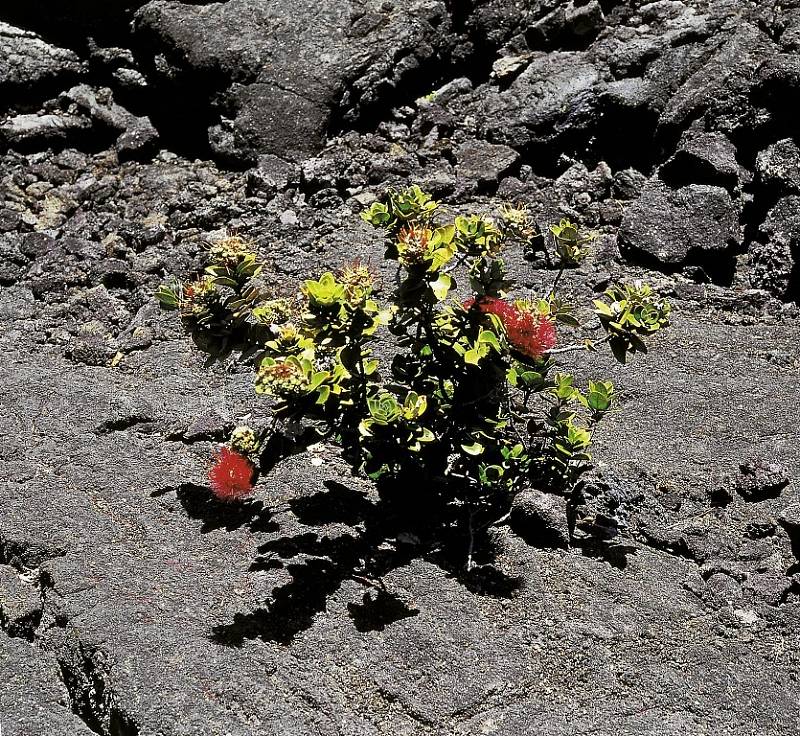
[(529, 333), (231, 476)]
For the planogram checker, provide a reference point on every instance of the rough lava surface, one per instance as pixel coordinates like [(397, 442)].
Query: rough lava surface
[(133, 604)]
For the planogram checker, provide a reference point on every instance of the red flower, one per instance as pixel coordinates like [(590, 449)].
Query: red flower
[(231, 476), (529, 333)]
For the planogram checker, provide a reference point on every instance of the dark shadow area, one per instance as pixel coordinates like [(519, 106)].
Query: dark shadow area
[(405, 523), (338, 504), (180, 105), (488, 580), (200, 503), (612, 553), (378, 609)]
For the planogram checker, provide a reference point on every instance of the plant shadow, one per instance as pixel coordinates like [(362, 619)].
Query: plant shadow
[(380, 535), (200, 503)]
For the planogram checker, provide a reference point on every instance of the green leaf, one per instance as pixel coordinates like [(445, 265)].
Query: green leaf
[(512, 376), (446, 233), (472, 357), (226, 281), (167, 297), (567, 319), (317, 379), (476, 448), (489, 338), (603, 308), (441, 286), (597, 401)]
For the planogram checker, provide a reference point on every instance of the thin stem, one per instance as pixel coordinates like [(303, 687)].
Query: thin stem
[(557, 279), (497, 522), (459, 262), (579, 346), (569, 348), (470, 563), (380, 585)]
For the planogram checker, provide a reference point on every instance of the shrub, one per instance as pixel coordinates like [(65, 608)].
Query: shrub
[(458, 395)]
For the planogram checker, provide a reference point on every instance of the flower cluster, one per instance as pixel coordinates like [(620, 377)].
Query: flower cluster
[(231, 476), (414, 245), (530, 333), (244, 440), (358, 283), (282, 377), (199, 297), (231, 251)]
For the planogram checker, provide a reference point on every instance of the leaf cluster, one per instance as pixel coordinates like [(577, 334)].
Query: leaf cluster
[(459, 394)]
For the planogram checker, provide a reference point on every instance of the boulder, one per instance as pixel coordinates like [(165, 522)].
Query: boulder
[(670, 225), (570, 25), (28, 63), (344, 58), (779, 165), (484, 162), (773, 259), (703, 158), (628, 184), (557, 94), (31, 129), (540, 518), (789, 518), (759, 479), (779, 74), (719, 91)]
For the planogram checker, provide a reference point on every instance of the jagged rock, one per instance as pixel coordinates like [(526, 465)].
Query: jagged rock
[(779, 165), (484, 162), (137, 136), (724, 589), (760, 479), (773, 261), (540, 518), (628, 184), (771, 266), (577, 182), (27, 63), (779, 74), (703, 158), (770, 586), (450, 91), (508, 66), (790, 520), (669, 225), (271, 176), (629, 57), (557, 93), (790, 37), (41, 129), (570, 25), (719, 92), (139, 139), (632, 94), (344, 58)]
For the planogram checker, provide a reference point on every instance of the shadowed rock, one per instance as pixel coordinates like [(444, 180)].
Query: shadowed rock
[(281, 97)]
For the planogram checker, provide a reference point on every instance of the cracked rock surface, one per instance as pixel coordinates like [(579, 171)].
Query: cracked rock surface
[(132, 603)]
